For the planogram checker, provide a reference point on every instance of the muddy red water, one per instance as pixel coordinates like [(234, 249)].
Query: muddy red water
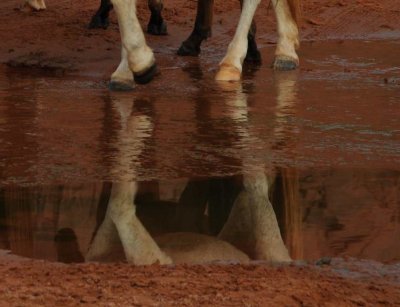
[(327, 135)]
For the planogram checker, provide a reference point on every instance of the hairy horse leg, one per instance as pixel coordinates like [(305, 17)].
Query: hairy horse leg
[(231, 66), (100, 18), (201, 31), (156, 25), (136, 56), (286, 57), (36, 4), (252, 225)]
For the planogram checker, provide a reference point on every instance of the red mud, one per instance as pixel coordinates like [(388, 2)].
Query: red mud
[(60, 33), (29, 283)]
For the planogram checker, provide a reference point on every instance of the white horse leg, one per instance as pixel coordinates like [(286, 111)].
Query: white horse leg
[(252, 225), (122, 77), (36, 4), (139, 56), (139, 247), (104, 241), (120, 216), (231, 66), (286, 57)]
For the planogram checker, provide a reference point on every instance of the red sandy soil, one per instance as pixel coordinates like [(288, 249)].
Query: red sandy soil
[(342, 283), (60, 35)]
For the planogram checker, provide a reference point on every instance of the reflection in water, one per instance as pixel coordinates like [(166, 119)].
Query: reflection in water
[(342, 212), (67, 246), (227, 160)]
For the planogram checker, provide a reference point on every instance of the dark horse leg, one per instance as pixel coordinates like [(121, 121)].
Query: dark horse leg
[(156, 25), (253, 54), (100, 19), (202, 30)]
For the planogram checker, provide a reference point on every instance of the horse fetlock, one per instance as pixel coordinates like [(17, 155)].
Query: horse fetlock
[(140, 59), (191, 46), (157, 28), (188, 49), (99, 22), (122, 79)]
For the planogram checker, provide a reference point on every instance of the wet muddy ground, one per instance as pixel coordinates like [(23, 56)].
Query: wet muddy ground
[(327, 135)]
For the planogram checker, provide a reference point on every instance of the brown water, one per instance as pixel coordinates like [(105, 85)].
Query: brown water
[(330, 132)]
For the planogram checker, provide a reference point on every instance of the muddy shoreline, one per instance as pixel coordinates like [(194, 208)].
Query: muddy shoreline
[(348, 282)]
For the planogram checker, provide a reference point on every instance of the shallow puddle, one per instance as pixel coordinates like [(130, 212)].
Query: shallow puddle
[(327, 136)]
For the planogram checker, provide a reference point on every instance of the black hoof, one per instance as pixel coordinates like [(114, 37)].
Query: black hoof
[(121, 86), (186, 49), (284, 64), (98, 23), (146, 76), (157, 29), (253, 57)]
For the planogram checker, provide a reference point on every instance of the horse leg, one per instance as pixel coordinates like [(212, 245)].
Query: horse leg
[(231, 66), (36, 4), (252, 225), (285, 55), (100, 19), (136, 56), (122, 77), (122, 225), (156, 25), (201, 31), (252, 55), (104, 241)]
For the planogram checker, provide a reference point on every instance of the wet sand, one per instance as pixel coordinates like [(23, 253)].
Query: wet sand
[(343, 283)]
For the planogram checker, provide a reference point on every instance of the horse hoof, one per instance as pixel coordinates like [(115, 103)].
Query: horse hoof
[(228, 73), (146, 76), (253, 57), (157, 29), (34, 6), (285, 63), (187, 49), (121, 86), (98, 23)]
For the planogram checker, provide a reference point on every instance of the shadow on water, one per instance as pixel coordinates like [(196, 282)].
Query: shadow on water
[(317, 149)]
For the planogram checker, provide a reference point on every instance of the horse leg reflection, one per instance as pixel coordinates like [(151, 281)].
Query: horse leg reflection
[(252, 224), (120, 218)]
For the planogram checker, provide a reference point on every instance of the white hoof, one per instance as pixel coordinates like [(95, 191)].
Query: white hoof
[(228, 73)]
